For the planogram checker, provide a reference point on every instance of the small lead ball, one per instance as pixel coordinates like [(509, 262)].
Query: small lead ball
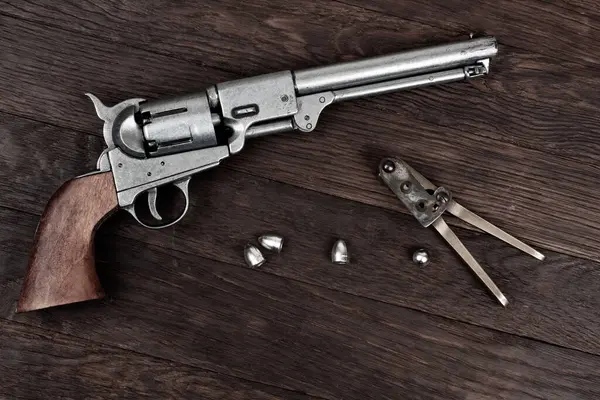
[(421, 257)]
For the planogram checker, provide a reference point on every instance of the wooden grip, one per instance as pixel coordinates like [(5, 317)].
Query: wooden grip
[(61, 267)]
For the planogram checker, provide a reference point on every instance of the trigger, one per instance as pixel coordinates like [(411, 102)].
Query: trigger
[(152, 195)]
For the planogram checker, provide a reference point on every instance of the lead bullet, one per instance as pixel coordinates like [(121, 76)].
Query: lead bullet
[(339, 253), (253, 256), (271, 241)]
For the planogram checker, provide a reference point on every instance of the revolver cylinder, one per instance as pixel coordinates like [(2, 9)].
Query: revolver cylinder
[(160, 127), (178, 124)]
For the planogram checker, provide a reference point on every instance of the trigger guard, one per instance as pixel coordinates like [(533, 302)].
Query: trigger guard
[(181, 185)]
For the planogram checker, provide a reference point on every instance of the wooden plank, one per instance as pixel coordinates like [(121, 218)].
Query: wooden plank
[(559, 294), (260, 327), (39, 158), (555, 29), (534, 196), (38, 364), (518, 186), (230, 208), (384, 351), (48, 80), (519, 189), (530, 99), (551, 28), (585, 8)]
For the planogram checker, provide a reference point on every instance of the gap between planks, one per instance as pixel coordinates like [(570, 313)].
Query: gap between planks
[(451, 221), (167, 250), (175, 56), (84, 340)]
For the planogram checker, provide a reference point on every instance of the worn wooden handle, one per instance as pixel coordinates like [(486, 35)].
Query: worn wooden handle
[(61, 268)]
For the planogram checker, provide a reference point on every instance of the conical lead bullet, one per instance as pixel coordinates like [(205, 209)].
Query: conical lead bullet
[(271, 241), (339, 253), (253, 256)]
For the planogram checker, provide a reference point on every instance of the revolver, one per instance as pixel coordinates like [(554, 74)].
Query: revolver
[(153, 143)]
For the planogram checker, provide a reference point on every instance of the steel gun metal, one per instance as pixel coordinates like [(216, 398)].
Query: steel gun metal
[(155, 143), (427, 203)]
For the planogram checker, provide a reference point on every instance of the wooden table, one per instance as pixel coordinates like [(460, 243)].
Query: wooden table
[(184, 317)]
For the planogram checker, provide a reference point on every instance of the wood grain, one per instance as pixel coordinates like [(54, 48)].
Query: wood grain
[(516, 184), (61, 268), (514, 188), (37, 364), (229, 208), (260, 327), (518, 147), (530, 75), (542, 27), (554, 301)]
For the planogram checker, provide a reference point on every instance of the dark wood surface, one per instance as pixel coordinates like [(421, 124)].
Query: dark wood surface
[(184, 318)]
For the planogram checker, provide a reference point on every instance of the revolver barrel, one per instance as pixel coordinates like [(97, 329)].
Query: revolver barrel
[(394, 66), (318, 87)]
